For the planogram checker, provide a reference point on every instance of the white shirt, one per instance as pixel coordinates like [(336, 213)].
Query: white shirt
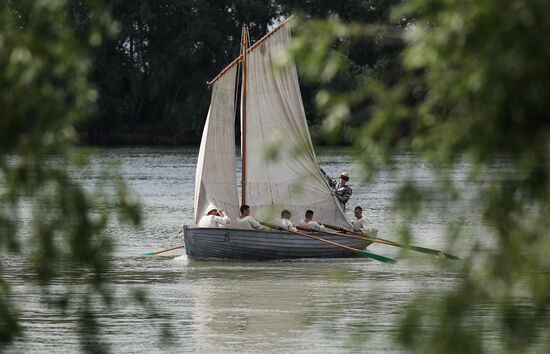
[(248, 222), (285, 224), (360, 224), (214, 221), (314, 225)]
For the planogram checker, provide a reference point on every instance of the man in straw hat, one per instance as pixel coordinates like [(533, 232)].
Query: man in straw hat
[(339, 187), (214, 217)]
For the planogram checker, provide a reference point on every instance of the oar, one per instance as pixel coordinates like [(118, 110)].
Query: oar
[(308, 229), (341, 234), (162, 251), (364, 253), (393, 243)]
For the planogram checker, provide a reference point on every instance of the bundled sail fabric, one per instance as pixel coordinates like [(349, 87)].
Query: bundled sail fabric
[(282, 170), (215, 181)]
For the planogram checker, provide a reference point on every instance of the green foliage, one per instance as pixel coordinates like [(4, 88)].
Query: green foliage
[(475, 85), (44, 93), (152, 76), (336, 62)]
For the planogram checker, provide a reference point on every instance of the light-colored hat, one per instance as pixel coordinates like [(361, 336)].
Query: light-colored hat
[(344, 174), (210, 208)]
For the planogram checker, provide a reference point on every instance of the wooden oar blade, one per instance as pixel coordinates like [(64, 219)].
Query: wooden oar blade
[(432, 251), (450, 256), (378, 257), (150, 254), (393, 243)]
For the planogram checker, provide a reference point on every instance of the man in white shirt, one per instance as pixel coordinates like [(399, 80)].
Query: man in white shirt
[(214, 218), (360, 223), (245, 221), (307, 222), (284, 221)]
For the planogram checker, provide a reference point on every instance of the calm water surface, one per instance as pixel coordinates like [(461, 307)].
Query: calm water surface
[(215, 306)]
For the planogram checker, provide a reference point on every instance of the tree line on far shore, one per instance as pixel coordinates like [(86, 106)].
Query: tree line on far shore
[(151, 74)]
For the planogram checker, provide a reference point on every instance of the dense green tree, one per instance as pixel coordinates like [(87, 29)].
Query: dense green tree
[(44, 93), (476, 86), (152, 76), (374, 56)]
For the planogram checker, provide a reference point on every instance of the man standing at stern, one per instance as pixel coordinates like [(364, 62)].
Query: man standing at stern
[(339, 187)]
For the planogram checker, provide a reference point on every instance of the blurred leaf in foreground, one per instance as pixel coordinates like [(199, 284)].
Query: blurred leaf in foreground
[(475, 86), (44, 93)]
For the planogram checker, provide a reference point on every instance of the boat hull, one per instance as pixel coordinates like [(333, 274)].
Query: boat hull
[(222, 243)]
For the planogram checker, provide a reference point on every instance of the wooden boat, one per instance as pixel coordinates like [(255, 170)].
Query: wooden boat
[(222, 243), (279, 166)]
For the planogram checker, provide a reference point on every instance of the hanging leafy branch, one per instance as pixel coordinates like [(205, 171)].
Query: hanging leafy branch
[(475, 86), (44, 93)]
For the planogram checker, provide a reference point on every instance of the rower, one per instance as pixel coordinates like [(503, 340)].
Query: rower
[(308, 222), (245, 221), (360, 223), (284, 221)]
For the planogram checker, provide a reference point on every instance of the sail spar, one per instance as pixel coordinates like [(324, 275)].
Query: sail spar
[(282, 169)]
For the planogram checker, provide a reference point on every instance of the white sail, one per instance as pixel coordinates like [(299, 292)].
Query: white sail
[(282, 170), (215, 181)]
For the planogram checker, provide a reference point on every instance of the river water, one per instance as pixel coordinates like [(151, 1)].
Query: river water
[(219, 306)]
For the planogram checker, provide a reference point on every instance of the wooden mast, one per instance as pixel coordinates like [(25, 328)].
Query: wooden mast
[(239, 58), (243, 115)]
